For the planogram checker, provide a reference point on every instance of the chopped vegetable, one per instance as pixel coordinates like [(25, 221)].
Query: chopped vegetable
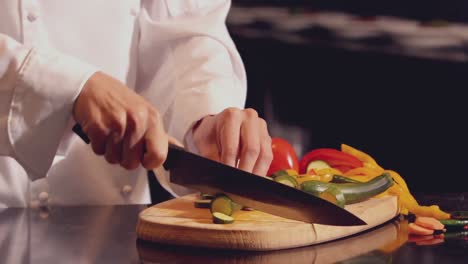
[(317, 165), (429, 222), (287, 180), (304, 178), (223, 204), (459, 215), (455, 224), (326, 174), (343, 179), (284, 156), (407, 202), (364, 171), (333, 195), (419, 230), (206, 196), (353, 192), (204, 203), (279, 173), (365, 158), (220, 218), (333, 157)]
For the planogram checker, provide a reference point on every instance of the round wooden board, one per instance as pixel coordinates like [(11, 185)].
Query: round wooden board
[(178, 222)]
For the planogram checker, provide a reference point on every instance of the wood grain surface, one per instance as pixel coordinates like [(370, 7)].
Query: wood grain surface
[(178, 222)]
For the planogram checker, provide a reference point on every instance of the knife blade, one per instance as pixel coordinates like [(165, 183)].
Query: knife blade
[(211, 177), (263, 194)]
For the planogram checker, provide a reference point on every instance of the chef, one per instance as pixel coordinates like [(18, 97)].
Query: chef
[(134, 74)]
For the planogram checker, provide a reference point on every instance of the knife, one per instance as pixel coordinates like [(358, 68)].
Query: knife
[(211, 177)]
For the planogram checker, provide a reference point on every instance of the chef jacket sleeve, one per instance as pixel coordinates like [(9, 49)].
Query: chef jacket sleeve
[(189, 66), (37, 90)]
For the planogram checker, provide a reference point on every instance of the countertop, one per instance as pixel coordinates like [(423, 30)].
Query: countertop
[(106, 234)]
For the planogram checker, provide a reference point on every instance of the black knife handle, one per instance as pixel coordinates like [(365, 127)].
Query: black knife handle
[(79, 131)]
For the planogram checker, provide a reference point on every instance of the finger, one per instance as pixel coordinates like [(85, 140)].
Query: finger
[(98, 136), (250, 145), (113, 153), (228, 137), (156, 145), (266, 152), (132, 152)]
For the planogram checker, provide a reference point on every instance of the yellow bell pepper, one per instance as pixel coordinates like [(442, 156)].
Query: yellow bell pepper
[(328, 171), (406, 201), (304, 177), (363, 171), (364, 157)]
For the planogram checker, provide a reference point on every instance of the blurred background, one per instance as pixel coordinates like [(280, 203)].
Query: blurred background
[(386, 78)]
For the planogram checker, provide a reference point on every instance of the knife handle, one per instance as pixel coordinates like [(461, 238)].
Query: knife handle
[(79, 131)]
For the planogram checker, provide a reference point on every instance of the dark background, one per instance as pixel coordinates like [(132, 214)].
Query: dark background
[(407, 112)]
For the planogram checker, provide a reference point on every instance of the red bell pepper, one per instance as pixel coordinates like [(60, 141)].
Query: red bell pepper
[(335, 158)]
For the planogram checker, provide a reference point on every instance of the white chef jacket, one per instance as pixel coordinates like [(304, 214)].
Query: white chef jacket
[(176, 53)]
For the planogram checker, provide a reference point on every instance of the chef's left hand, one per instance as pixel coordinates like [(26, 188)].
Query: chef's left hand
[(236, 137)]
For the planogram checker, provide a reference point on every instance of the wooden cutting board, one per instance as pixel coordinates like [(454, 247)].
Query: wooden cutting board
[(178, 222)]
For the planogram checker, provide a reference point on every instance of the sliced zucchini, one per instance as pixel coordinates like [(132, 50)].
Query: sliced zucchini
[(220, 218), (222, 204), (279, 173), (333, 195), (353, 192), (287, 180), (317, 165), (343, 179), (206, 196), (203, 203)]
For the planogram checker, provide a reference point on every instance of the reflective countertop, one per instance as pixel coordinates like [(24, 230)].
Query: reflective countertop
[(106, 234)]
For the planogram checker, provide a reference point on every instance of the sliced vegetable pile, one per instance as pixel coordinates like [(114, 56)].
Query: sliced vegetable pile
[(347, 176)]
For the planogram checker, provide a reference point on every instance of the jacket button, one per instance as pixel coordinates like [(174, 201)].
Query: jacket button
[(32, 16), (43, 197), (127, 189)]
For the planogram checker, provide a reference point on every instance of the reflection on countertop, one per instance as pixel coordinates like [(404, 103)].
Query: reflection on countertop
[(106, 234)]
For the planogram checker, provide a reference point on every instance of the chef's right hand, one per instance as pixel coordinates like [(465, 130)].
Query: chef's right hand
[(121, 124)]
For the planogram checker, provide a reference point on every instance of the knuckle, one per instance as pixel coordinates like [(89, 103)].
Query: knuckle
[(137, 116), (252, 150), (251, 113), (153, 113), (155, 160), (267, 142), (267, 155), (118, 123), (263, 123), (231, 112)]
